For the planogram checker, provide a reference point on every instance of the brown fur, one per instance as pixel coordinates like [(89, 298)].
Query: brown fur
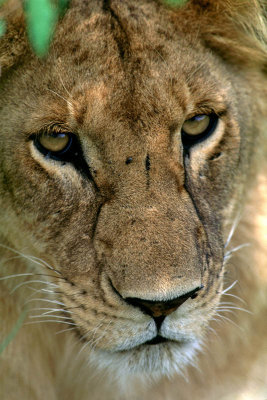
[(124, 76)]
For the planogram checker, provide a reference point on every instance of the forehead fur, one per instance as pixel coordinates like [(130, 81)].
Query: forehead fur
[(235, 30)]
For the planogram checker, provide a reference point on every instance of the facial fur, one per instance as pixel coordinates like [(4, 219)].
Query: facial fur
[(141, 216)]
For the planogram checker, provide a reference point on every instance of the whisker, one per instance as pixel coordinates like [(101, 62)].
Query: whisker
[(236, 308), (65, 330), (51, 310), (223, 317), (229, 253), (232, 230), (6, 260), (61, 80), (235, 297), (32, 281), (30, 258), (30, 274), (225, 310), (229, 287), (34, 258), (50, 291), (49, 316), (16, 275), (46, 321), (45, 300), (63, 98)]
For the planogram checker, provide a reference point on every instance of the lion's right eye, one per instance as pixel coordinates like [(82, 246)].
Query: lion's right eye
[(198, 128)]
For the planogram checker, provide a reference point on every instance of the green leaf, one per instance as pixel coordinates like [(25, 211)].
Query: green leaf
[(2, 27), (178, 3), (2, 2), (41, 19), (13, 332), (63, 6)]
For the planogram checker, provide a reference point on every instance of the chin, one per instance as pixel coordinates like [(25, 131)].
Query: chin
[(146, 362)]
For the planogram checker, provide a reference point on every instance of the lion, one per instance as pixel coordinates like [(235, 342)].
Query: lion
[(132, 198)]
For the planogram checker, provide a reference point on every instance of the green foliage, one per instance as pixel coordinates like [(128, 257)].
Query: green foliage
[(63, 6), (13, 332), (2, 27), (41, 18), (178, 3)]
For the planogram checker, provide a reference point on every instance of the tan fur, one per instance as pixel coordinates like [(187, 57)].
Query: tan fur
[(124, 76)]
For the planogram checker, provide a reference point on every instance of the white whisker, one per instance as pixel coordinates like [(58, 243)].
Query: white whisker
[(229, 287), (236, 308), (223, 317), (63, 98), (49, 291), (61, 80), (234, 296), (49, 316), (16, 275), (51, 310), (44, 263), (49, 320), (65, 330), (45, 300), (225, 310), (34, 259), (232, 230), (32, 281), (226, 303), (229, 253)]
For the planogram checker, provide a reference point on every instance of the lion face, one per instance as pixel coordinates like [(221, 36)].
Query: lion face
[(121, 156)]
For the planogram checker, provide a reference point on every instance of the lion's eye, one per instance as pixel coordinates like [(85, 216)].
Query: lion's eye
[(62, 146), (198, 128), (55, 142)]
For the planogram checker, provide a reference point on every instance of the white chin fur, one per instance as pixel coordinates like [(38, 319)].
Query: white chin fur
[(145, 363)]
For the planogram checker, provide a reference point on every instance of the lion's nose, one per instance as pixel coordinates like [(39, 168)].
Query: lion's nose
[(160, 309)]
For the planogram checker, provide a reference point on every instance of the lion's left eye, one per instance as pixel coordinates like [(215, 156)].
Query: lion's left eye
[(55, 142), (198, 128), (62, 146)]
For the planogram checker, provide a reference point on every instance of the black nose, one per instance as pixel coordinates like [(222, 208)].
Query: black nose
[(159, 309)]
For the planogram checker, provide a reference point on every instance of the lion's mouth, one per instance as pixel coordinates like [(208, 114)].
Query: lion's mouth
[(156, 340)]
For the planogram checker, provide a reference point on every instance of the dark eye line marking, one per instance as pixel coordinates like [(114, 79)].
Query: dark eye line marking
[(75, 157), (147, 162), (147, 166)]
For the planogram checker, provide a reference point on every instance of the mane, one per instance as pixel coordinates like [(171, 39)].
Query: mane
[(234, 29)]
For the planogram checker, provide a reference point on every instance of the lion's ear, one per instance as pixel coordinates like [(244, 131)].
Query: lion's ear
[(234, 29), (13, 44)]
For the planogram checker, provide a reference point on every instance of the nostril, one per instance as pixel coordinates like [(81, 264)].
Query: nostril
[(160, 309)]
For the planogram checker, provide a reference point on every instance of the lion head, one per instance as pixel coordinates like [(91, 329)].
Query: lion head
[(125, 154)]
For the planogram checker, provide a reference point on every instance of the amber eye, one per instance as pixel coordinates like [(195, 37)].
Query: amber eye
[(64, 147), (54, 142), (56, 145), (196, 125), (198, 128)]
